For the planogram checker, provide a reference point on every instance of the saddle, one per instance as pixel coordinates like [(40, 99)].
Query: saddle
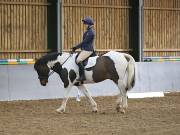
[(86, 62)]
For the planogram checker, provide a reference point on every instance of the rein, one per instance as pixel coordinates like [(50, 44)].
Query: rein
[(61, 65), (66, 59)]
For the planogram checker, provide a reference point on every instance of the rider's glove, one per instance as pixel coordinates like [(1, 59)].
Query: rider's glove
[(73, 49)]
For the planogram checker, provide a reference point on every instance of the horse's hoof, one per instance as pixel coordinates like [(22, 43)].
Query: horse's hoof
[(60, 110), (122, 111), (118, 109), (94, 111)]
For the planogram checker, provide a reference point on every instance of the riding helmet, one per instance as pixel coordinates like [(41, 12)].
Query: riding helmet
[(88, 20)]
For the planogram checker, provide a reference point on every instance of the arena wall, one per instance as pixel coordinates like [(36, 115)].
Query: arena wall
[(20, 82)]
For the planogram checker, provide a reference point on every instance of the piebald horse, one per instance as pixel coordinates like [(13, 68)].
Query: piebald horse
[(118, 67)]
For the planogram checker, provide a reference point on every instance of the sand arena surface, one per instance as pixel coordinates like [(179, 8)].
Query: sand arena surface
[(151, 116)]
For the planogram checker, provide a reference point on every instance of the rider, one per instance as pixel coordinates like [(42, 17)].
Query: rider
[(86, 46)]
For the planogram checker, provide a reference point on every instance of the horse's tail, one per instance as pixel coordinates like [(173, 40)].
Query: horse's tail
[(130, 70)]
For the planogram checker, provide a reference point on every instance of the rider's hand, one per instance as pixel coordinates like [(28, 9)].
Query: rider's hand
[(73, 49)]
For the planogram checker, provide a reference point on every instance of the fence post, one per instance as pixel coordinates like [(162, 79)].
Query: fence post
[(59, 45), (141, 29)]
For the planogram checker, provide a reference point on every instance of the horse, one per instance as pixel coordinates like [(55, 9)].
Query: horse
[(115, 66)]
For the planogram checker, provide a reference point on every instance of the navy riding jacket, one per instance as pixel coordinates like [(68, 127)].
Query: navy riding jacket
[(88, 40)]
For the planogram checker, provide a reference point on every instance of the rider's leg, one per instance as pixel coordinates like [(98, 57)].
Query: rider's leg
[(81, 72), (82, 56)]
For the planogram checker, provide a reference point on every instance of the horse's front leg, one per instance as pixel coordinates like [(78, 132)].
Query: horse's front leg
[(62, 108), (90, 99)]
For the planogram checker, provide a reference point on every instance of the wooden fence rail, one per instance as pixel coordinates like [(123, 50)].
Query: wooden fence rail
[(24, 32), (23, 28), (161, 28), (111, 23)]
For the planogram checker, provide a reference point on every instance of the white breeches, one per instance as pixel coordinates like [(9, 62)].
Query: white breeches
[(83, 55)]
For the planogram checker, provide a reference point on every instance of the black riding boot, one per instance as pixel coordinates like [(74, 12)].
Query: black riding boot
[(81, 72)]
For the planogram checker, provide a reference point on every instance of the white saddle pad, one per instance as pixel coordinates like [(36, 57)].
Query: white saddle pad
[(91, 62)]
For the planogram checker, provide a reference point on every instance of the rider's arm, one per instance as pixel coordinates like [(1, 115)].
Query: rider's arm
[(89, 37)]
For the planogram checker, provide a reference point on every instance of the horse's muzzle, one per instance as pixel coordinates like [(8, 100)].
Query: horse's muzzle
[(43, 82)]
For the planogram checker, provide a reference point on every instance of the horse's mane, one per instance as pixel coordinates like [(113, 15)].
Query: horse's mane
[(46, 58)]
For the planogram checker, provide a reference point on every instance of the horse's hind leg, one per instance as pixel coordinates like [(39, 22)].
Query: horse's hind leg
[(122, 98), (88, 95)]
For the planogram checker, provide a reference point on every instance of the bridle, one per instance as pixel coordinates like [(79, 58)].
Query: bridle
[(45, 77)]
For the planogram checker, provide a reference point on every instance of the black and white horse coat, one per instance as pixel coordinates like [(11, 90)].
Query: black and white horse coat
[(118, 67)]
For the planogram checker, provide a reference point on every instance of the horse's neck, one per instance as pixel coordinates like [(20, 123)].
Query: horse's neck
[(50, 64), (63, 57), (68, 60), (66, 57)]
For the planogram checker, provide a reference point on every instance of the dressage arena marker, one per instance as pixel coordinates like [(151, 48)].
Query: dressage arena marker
[(16, 61), (146, 95)]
